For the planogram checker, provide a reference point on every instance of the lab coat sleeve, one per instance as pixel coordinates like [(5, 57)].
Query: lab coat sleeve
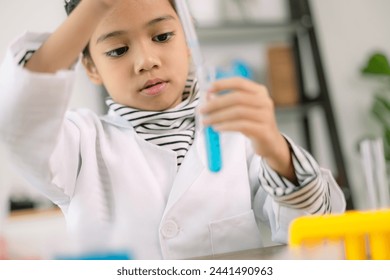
[(279, 201), (33, 126)]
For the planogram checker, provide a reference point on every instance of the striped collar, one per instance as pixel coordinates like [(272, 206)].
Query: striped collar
[(173, 129)]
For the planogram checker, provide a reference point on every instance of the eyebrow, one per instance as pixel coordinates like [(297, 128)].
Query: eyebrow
[(121, 32), (109, 35), (159, 19)]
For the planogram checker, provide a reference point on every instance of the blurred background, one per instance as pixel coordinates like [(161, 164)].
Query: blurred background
[(270, 41)]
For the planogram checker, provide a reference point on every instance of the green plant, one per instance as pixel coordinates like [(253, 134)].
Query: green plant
[(378, 67)]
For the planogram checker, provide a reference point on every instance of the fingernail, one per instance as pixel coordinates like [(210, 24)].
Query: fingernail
[(211, 90), (211, 95)]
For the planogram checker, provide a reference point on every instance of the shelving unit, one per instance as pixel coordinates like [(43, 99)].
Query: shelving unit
[(299, 31)]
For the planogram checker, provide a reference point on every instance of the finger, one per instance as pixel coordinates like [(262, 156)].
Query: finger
[(246, 127), (239, 84), (258, 132), (230, 114), (252, 100)]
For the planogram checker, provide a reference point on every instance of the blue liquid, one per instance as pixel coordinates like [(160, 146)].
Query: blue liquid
[(213, 149)]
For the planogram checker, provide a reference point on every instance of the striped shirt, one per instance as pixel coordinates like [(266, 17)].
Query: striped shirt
[(173, 129)]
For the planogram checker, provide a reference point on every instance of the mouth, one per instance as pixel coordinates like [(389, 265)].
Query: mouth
[(154, 87)]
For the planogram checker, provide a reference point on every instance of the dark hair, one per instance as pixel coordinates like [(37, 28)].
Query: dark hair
[(70, 5)]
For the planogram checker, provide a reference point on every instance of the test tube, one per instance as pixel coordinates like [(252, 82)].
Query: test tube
[(212, 139)]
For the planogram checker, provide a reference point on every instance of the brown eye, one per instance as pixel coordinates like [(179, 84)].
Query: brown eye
[(163, 37), (117, 52)]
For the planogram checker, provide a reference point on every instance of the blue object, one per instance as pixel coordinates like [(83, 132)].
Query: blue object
[(97, 256), (237, 68), (211, 136), (213, 148)]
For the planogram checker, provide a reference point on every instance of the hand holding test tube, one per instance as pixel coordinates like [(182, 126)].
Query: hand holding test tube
[(213, 148)]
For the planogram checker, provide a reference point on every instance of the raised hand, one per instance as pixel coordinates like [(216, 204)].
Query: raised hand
[(64, 46), (248, 109)]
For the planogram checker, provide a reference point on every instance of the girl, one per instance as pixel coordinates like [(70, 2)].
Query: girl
[(137, 177)]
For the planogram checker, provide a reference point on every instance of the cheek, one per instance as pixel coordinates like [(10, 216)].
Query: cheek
[(114, 72), (182, 69), (181, 57)]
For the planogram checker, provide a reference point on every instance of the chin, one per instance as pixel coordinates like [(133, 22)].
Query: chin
[(165, 106)]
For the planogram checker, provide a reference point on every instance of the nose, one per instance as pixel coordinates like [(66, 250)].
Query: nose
[(146, 59)]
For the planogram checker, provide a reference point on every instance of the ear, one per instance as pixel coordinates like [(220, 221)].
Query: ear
[(91, 70)]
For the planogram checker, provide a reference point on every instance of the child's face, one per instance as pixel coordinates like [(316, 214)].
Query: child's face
[(140, 54)]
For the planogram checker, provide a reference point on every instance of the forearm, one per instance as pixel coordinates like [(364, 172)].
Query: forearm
[(281, 161), (311, 192), (63, 47)]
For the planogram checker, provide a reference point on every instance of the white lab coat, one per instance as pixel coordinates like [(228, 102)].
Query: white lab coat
[(117, 190)]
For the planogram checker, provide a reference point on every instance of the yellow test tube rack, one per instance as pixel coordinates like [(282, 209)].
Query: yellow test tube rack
[(364, 234)]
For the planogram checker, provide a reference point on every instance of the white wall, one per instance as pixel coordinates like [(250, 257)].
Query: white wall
[(348, 31), (19, 16)]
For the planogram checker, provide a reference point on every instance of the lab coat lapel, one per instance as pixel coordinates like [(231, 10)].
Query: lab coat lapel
[(160, 171), (193, 165)]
